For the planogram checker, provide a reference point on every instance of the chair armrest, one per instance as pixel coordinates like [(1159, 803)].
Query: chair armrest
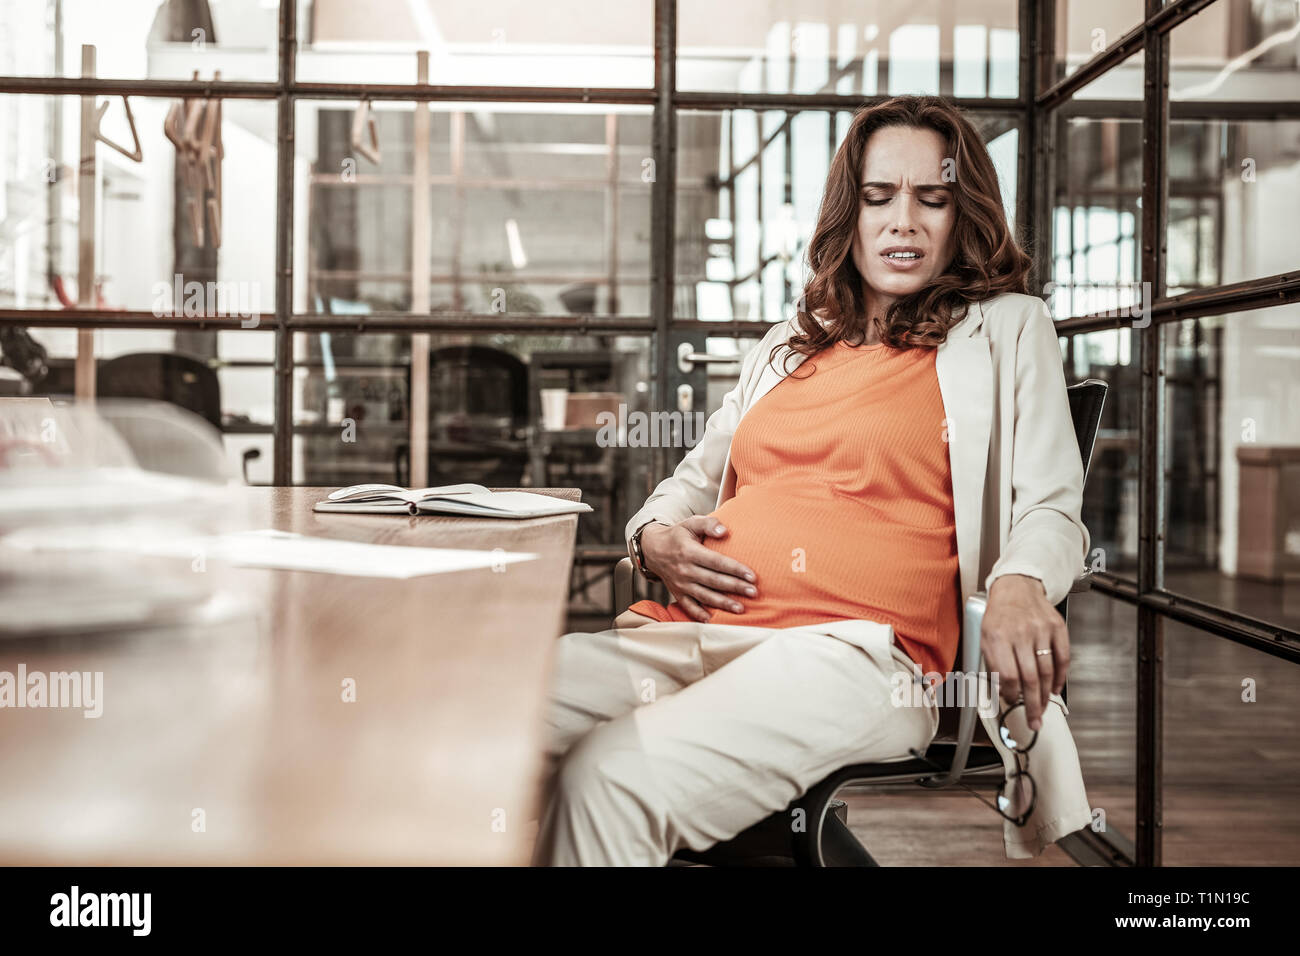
[(625, 581), (968, 713), (250, 454), (972, 625)]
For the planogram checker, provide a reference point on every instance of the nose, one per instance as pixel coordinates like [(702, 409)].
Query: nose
[(904, 224), (904, 221)]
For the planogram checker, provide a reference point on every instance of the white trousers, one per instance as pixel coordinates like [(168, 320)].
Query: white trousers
[(665, 735)]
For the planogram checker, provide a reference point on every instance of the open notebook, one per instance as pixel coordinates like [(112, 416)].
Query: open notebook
[(468, 499)]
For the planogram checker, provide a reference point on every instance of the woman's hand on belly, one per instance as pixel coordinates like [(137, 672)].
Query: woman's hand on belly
[(697, 577)]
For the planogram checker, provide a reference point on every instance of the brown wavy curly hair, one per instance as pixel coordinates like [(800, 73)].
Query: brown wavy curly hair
[(987, 260)]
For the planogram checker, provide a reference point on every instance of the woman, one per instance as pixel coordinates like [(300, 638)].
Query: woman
[(820, 543)]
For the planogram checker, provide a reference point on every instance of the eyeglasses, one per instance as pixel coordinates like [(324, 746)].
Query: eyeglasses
[(1019, 793)]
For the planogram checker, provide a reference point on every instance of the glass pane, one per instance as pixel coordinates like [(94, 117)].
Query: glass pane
[(142, 39), (170, 236), (487, 395), (750, 185), (1086, 30), (1236, 50), (526, 251), (1233, 189), (1232, 492), (1110, 497), (245, 364), (1192, 403), (1101, 692), (1096, 219), (532, 209), (1230, 752), (485, 43), (874, 47), (1122, 82)]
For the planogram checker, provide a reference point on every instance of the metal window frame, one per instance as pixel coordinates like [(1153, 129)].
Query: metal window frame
[(1040, 99)]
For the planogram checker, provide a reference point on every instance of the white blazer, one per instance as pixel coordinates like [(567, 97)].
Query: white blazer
[(1017, 482)]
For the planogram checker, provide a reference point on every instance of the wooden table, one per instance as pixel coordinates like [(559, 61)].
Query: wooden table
[(243, 726)]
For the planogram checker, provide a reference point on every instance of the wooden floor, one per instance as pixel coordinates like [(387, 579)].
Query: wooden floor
[(1232, 769)]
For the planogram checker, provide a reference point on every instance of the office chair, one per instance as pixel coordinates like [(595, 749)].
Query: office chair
[(960, 747), (168, 439), (478, 418), (172, 377)]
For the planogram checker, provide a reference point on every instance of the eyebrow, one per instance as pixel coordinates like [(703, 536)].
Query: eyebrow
[(882, 185)]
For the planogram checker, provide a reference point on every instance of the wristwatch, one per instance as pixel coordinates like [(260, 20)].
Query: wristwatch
[(638, 556)]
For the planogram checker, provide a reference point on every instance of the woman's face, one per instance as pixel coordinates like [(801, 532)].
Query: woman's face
[(905, 207)]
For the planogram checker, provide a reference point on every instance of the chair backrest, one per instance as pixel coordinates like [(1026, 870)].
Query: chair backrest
[(480, 385), (167, 438), (171, 377), (1086, 401)]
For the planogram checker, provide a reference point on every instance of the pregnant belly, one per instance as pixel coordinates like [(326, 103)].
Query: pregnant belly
[(819, 556), (781, 538)]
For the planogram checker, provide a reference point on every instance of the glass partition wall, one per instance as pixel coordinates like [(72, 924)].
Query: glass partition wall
[(420, 242)]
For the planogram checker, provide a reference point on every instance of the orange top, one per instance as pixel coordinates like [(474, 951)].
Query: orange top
[(843, 504)]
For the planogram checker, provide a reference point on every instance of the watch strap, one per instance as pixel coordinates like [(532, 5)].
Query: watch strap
[(638, 556)]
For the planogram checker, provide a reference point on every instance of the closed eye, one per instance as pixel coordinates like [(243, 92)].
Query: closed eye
[(881, 202)]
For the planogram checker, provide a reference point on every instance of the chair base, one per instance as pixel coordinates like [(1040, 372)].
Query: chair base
[(766, 843), (825, 839)]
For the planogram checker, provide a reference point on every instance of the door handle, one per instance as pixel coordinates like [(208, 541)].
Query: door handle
[(687, 357)]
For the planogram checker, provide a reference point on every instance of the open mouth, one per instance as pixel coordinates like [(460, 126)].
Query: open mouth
[(902, 258)]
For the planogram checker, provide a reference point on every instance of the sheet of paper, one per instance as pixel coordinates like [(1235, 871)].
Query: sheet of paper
[(268, 548)]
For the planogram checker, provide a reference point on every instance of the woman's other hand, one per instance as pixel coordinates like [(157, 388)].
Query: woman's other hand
[(697, 577), (1017, 622)]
